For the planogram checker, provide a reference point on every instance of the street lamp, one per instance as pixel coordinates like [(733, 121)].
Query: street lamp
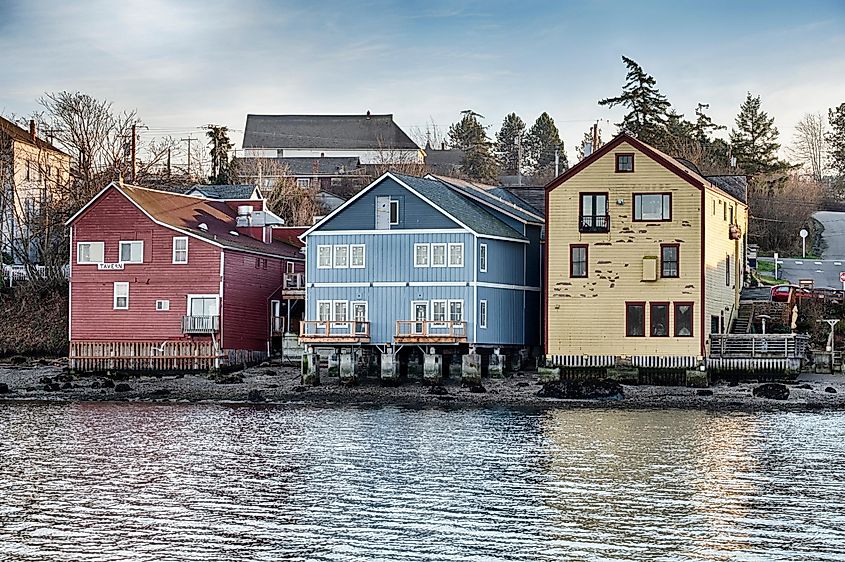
[(803, 235), (764, 317)]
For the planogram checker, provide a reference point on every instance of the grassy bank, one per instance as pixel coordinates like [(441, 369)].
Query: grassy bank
[(34, 320)]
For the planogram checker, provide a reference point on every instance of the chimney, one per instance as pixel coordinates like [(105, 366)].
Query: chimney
[(32, 133), (442, 145), (368, 114)]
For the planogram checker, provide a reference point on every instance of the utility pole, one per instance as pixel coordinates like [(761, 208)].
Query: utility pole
[(518, 141), (189, 140), (557, 162), (595, 136), (134, 147)]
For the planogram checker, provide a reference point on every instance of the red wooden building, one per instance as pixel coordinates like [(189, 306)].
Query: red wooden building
[(163, 281)]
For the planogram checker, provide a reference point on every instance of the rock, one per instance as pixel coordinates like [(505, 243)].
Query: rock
[(270, 373), (67, 386), (733, 383), (95, 384), (522, 384), (265, 364), (234, 378), (300, 388), (477, 389), (122, 387), (548, 374), (52, 387), (438, 390), (588, 389), (160, 392), (830, 390), (696, 378), (772, 391), (17, 360), (45, 380), (806, 386), (108, 383), (256, 396), (4, 388), (704, 392), (31, 389)]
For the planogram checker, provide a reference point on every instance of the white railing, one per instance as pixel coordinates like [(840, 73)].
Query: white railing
[(754, 346), (200, 324), (18, 273), (294, 281)]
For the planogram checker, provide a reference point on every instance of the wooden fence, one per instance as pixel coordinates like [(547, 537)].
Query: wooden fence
[(143, 356)]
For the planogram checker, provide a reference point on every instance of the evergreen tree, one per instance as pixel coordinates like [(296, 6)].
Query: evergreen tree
[(470, 136), (647, 107), (588, 139), (679, 131), (754, 141), (836, 139), (704, 126), (220, 147), (508, 141), (541, 144)]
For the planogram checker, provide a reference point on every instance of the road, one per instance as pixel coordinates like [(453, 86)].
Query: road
[(823, 272)]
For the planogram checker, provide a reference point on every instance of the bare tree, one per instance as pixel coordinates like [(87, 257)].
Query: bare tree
[(296, 205), (810, 144), (780, 207), (389, 159)]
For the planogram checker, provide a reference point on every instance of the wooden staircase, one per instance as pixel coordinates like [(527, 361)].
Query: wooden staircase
[(743, 321)]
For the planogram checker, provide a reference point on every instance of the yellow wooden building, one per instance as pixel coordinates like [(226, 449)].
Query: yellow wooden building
[(645, 258)]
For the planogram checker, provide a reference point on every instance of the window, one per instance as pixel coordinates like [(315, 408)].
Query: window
[(290, 267), (683, 319), (578, 260), (659, 316), (728, 271), (731, 215), (438, 255), (180, 249), (303, 183), (652, 206), (257, 263), (264, 263), (482, 257), (438, 309), (394, 211), (162, 305), (421, 255), (715, 324), (202, 305), (669, 260), (456, 255), (359, 316), (335, 182), (456, 311), (324, 257), (324, 311), (482, 314), (90, 252), (132, 252), (714, 207), (357, 255), (341, 311), (593, 215), (121, 295), (635, 319), (341, 257), (625, 162)]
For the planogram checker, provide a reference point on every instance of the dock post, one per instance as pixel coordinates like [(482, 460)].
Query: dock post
[(471, 368), (310, 367), (455, 365), (496, 364), (346, 367), (334, 363), (432, 367), (389, 367)]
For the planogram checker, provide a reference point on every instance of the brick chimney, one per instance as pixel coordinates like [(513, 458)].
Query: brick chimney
[(32, 133)]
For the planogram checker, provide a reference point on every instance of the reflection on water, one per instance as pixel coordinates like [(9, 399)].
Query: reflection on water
[(204, 482)]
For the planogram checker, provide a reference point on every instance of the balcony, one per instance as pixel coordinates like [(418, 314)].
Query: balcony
[(293, 285), (594, 223), (334, 331), (192, 325), (430, 331)]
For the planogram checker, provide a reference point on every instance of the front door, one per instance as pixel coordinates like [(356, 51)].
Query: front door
[(420, 312)]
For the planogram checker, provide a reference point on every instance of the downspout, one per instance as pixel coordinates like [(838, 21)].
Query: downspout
[(474, 288), (220, 312)]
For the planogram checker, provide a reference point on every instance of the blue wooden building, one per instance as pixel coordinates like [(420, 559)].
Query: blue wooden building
[(433, 264)]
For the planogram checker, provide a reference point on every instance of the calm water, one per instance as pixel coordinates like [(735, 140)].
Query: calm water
[(204, 482)]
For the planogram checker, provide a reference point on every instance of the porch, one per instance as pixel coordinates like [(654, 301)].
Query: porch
[(430, 331), (200, 325), (293, 286), (757, 352), (334, 331)]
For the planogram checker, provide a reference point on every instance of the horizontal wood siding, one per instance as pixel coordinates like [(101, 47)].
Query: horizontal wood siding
[(413, 211), (587, 315), (247, 291), (112, 219)]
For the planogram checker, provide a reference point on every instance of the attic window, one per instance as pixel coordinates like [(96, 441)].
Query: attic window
[(394, 211), (625, 163)]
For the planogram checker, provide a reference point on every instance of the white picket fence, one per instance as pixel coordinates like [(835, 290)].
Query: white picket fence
[(13, 274)]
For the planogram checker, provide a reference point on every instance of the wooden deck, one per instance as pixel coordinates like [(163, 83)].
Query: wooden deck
[(331, 331), (293, 286), (430, 331)]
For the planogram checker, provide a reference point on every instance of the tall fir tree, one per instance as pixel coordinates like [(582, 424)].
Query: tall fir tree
[(754, 141), (470, 135), (508, 141), (704, 127), (220, 146), (836, 139), (541, 143), (647, 107)]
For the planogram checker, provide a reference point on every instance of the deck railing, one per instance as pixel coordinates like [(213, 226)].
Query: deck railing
[(431, 330), (334, 330), (294, 282), (200, 324), (144, 356), (753, 346)]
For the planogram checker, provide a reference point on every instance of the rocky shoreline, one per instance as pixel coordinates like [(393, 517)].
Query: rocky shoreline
[(281, 384)]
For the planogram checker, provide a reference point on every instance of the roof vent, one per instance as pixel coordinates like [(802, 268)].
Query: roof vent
[(234, 233), (368, 114), (202, 226)]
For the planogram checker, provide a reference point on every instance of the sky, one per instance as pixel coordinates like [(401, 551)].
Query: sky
[(186, 64)]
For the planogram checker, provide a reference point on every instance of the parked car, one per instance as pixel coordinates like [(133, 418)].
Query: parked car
[(780, 293)]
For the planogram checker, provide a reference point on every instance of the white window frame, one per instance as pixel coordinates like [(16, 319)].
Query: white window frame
[(329, 316), (461, 319), (303, 183), (352, 306), (334, 256), (352, 248), (79, 245), (445, 304), (427, 255), (449, 254), (162, 305), (320, 248), (482, 257), (175, 250), (129, 243), (115, 295), (482, 313), (192, 297), (445, 254), (390, 211), (334, 310)]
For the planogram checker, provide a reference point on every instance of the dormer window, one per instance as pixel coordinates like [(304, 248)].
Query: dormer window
[(625, 162)]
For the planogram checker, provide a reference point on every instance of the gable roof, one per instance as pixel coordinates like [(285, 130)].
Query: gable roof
[(496, 198), (184, 214), (331, 165), (445, 198), (689, 175), (234, 191), (325, 131), (22, 135)]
